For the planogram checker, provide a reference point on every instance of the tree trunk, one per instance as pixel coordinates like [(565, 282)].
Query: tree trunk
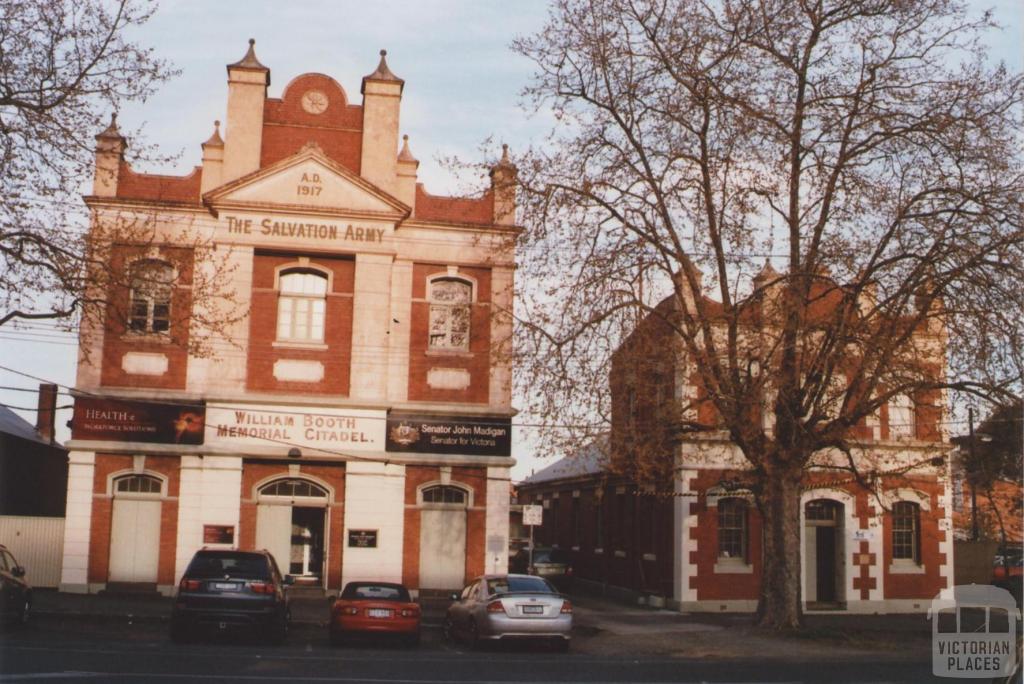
[(779, 607)]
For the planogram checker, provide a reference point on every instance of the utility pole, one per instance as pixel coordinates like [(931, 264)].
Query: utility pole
[(971, 476)]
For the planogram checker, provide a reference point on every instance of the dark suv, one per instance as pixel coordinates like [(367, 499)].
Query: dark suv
[(229, 591), (15, 593)]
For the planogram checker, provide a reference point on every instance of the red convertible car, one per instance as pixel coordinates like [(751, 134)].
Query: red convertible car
[(375, 608)]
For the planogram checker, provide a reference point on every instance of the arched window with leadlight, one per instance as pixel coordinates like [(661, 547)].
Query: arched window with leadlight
[(301, 305), (138, 484), (450, 312), (444, 494), (152, 284), (293, 488)]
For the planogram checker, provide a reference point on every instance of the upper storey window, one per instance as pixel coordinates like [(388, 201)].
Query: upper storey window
[(450, 300), (152, 282), (301, 306), (901, 418)]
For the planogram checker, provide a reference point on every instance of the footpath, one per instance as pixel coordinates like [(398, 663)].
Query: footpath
[(602, 627)]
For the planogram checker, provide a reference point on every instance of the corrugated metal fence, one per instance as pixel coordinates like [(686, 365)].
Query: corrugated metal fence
[(37, 544)]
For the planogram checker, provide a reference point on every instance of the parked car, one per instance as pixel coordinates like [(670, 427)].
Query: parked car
[(495, 607), (15, 593), (552, 564), (1008, 572), (381, 608), (232, 591)]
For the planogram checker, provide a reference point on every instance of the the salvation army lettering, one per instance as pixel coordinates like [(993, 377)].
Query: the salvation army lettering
[(299, 229), (469, 435), (332, 430), (137, 421)]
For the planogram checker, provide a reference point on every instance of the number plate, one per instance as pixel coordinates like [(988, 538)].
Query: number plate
[(379, 612), (225, 586), (533, 610)]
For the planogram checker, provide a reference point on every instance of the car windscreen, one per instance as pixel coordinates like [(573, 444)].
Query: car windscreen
[(516, 585), (250, 566), (375, 592)]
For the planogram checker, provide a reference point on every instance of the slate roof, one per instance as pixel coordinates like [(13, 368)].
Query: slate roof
[(13, 424), (590, 460)]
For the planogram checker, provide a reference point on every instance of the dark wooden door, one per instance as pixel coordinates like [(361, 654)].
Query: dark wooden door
[(826, 563)]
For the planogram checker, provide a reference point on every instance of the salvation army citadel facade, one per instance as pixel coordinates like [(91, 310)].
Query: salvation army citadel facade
[(355, 418)]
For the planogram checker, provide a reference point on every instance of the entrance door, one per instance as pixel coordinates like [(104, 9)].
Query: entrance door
[(274, 532), (825, 556), (442, 548), (307, 543), (135, 540), (823, 552)]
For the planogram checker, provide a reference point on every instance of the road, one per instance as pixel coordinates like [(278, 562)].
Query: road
[(68, 650)]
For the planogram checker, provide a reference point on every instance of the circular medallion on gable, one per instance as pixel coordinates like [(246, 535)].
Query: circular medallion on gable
[(314, 102)]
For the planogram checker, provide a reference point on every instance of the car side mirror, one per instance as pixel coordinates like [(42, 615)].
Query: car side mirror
[(18, 571), (289, 580), (455, 596)]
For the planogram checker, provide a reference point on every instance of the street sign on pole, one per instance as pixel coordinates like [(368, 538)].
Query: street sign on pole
[(533, 515)]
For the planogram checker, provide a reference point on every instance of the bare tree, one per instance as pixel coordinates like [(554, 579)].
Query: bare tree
[(865, 148), (64, 67)]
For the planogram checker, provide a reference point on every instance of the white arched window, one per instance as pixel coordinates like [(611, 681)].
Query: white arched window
[(152, 283), (138, 484), (450, 300), (301, 305), (902, 424), (444, 494)]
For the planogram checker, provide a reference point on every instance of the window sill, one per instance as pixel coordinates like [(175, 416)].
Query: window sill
[(574, 548), (733, 567), (309, 346), (650, 557), (147, 337), (598, 551), (905, 568), (620, 554), (459, 353)]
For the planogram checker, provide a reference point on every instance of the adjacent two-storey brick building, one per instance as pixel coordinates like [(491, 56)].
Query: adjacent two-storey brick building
[(355, 420)]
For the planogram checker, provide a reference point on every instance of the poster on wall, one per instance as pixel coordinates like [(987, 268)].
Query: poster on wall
[(120, 420), (218, 534), (362, 539), (468, 435)]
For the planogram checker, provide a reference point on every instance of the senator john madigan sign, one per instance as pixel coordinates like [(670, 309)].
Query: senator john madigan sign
[(467, 435)]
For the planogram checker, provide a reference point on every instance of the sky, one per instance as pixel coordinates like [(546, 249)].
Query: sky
[(462, 85)]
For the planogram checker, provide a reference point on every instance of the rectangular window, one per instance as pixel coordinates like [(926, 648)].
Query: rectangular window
[(732, 529), (576, 522), (598, 520), (906, 544)]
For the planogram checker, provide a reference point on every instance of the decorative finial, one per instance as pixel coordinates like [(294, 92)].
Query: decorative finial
[(383, 53), (250, 61), (406, 154), (215, 139), (382, 72)]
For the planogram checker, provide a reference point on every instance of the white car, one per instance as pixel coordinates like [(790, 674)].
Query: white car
[(496, 607)]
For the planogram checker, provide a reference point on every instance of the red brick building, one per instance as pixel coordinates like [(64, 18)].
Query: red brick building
[(351, 412), (691, 533)]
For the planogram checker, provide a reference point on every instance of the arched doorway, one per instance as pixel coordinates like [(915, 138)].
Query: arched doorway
[(135, 528), (443, 536), (825, 571), (291, 515)]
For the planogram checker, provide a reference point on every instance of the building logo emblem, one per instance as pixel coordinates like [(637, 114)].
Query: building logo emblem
[(404, 434), (974, 632)]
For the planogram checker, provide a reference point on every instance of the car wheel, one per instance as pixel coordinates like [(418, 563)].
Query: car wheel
[(26, 611), (448, 629), (473, 635), (279, 634)]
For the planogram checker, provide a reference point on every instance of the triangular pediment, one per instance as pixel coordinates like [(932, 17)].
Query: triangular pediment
[(311, 182)]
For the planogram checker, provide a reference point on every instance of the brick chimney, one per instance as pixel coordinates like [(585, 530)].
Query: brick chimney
[(47, 411)]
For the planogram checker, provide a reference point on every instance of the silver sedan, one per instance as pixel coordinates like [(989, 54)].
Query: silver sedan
[(495, 607)]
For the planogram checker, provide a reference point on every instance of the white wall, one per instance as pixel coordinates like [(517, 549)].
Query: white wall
[(37, 544), (374, 500), (74, 575), (210, 495)]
